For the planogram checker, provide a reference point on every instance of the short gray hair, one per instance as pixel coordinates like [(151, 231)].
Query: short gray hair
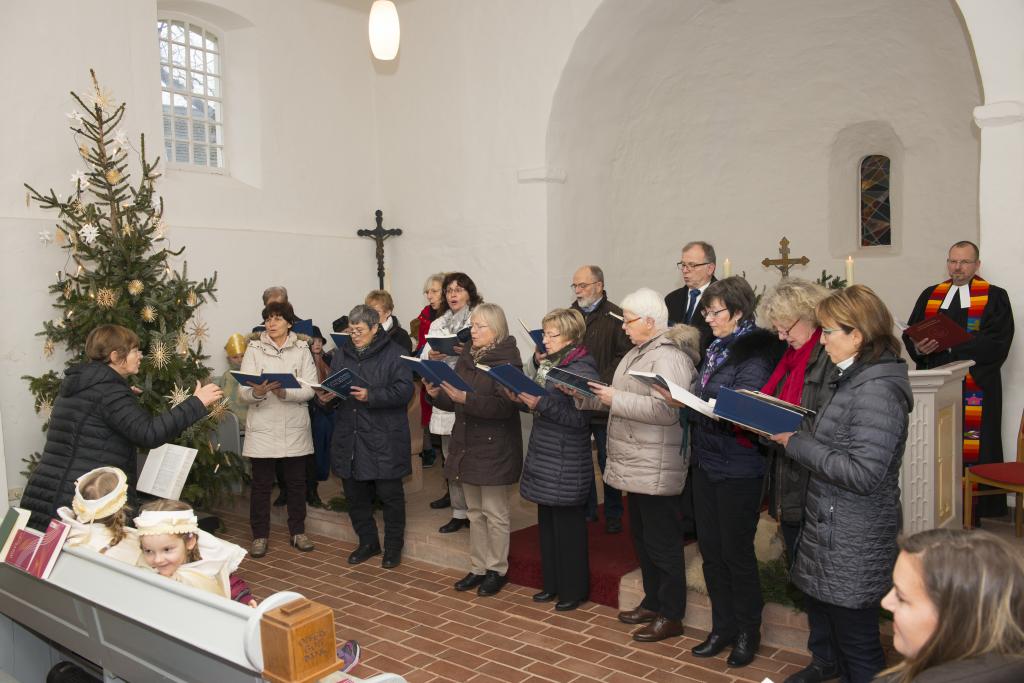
[(597, 273), (271, 291), (494, 317), (709, 251), (647, 303), (436, 277), (363, 314)]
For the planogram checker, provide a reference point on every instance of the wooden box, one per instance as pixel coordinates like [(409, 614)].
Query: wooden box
[(298, 642)]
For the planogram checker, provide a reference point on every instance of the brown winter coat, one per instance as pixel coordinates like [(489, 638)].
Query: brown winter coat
[(487, 442), (644, 437)]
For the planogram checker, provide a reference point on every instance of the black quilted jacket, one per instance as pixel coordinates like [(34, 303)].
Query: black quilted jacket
[(847, 548), (96, 422)]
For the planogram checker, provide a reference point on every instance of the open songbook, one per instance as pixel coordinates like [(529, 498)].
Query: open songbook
[(571, 380), (752, 410), (436, 372), (166, 470), (340, 383), (446, 343), (286, 379), (513, 379), (536, 335)]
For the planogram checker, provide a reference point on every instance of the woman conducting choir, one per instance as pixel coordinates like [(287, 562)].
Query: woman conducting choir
[(847, 548)]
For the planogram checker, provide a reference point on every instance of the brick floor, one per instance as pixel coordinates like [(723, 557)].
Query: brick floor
[(411, 622)]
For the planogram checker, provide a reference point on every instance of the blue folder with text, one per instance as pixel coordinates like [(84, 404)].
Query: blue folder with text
[(436, 372), (340, 383), (446, 343), (286, 379), (760, 413), (513, 379)]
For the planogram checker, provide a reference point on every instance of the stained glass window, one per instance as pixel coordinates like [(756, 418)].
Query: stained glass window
[(191, 92), (875, 206)]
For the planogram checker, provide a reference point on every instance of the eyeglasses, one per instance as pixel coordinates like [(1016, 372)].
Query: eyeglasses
[(829, 331), (454, 290), (582, 285), (630, 321), (552, 335), (951, 262), (478, 326), (705, 313), (691, 266), (785, 333), (358, 331)]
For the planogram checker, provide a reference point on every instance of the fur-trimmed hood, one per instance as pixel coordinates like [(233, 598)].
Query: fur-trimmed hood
[(686, 338), (759, 343)]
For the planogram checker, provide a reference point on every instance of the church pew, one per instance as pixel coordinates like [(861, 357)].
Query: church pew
[(138, 626)]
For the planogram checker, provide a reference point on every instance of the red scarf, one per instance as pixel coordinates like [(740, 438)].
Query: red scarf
[(793, 367)]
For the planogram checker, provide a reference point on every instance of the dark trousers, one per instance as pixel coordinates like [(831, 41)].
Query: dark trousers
[(360, 495), (310, 470), (294, 472), (612, 496), (563, 551), (322, 426), (656, 528), (852, 634), (818, 642), (726, 514)]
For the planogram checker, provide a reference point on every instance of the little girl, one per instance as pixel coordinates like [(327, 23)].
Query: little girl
[(174, 546), (97, 515)]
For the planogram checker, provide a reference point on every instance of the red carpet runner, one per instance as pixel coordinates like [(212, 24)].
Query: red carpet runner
[(611, 556)]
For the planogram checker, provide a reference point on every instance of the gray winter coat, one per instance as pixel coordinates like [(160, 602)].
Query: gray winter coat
[(847, 548), (559, 467)]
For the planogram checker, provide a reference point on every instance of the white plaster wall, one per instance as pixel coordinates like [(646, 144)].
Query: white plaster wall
[(287, 213), (701, 119)]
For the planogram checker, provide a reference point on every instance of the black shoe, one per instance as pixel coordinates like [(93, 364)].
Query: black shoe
[(363, 553), (613, 525), (313, 500), (544, 596), (568, 605), (281, 500), (817, 672), (712, 645), (470, 580), (745, 649), (492, 584), (392, 558), (441, 503), (428, 458), (453, 525)]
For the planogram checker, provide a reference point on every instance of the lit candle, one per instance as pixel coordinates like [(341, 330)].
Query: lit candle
[(849, 271), (727, 267)]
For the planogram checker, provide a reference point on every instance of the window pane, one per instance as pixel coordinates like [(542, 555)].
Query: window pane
[(178, 32), (167, 149), (165, 51), (165, 77), (199, 155), (167, 126), (165, 100), (875, 206), (217, 134), (198, 108), (180, 105), (195, 36), (212, 63), (181, 129), (213, 86), (178, 79), (214, 110), (181, 152), (196, 59), (198, 132), (161, 28), (216, 157), (211, 42), (198, 84), (178, 55)]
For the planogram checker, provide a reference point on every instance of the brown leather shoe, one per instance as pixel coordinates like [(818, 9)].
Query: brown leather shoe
[(659, 629), (637, 616)]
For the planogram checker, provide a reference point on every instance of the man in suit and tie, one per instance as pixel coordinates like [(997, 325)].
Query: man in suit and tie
[(698, 267)]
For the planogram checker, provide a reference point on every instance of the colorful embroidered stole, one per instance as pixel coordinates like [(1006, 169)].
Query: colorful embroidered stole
[(972, 392)]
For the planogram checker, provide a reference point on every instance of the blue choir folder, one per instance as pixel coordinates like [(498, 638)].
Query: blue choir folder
[(436, 372), (445, 343), (760, 413), (286, 379), (339, 337), (513, 379), (536, 335), (573, 381), (340, 383), (303, 327)]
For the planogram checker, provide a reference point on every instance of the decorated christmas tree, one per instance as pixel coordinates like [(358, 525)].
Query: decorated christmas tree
[(118, 269)]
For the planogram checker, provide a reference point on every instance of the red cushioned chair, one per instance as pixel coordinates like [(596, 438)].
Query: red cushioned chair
[(1004, 477)]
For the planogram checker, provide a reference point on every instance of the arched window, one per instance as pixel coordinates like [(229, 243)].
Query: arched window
[(191, 92), (875, 206)]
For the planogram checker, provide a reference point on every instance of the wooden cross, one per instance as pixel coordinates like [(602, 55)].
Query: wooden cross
[(785, 263), (379, 234)]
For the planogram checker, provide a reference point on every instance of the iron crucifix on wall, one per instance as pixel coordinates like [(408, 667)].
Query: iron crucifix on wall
[(379, 234)]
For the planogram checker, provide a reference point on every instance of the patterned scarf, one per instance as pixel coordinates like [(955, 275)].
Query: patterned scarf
[(973, 395), (718, 352), (558, 359)]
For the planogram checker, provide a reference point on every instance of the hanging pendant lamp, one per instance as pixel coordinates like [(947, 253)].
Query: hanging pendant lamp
[(385, 32)]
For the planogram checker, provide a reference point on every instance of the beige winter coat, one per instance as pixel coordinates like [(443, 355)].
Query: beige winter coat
[(644, 435), (276, 428)]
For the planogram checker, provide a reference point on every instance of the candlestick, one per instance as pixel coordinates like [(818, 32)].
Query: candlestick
[(849, 271), (727, 267)]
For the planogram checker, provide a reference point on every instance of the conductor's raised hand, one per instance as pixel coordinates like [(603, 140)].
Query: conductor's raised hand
[(208, 394)]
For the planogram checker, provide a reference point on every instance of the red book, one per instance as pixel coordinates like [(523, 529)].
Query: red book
[(49, 548), (23, 547), (942, 329)]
